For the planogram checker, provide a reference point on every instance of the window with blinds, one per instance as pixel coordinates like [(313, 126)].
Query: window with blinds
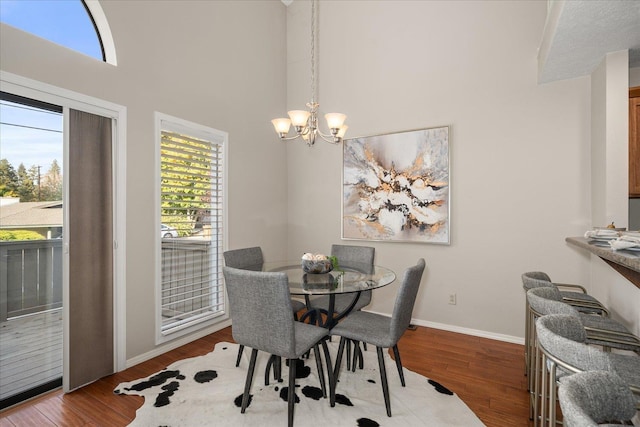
[(191, 230)]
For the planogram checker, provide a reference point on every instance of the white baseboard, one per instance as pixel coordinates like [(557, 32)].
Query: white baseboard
[(176, 343), (469, 331), (466, 331)]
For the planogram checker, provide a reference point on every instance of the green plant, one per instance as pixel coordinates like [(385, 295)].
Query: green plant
[(334, 262), (20, 235)]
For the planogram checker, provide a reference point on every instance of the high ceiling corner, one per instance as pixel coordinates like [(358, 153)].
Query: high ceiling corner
[(579, 33)]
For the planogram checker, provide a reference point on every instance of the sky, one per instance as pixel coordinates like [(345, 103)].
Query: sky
[(67, 23), (26, 145)]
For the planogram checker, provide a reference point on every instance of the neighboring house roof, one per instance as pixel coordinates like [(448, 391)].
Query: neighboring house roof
[(31, 214)]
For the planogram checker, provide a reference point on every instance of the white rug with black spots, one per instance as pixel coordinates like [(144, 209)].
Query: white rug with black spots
[(207, 391)]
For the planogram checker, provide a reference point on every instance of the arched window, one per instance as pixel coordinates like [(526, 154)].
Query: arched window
[(76, 24)]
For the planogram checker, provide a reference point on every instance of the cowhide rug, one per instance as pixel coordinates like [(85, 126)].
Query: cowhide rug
[(207, 391)]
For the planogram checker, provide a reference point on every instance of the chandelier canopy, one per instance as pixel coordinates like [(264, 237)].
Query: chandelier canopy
[(305, 122)]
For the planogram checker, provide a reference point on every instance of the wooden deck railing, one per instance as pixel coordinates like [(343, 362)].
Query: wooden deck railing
[(30, 277)]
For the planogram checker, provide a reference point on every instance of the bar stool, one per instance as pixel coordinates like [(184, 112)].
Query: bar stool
[(562, 350), (601, 331), (574, 295)]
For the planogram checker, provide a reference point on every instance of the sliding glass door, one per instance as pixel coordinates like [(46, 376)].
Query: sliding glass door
[(57, 248), (31, 231)]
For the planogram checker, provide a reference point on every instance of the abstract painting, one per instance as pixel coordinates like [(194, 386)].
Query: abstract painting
[(396, 187)]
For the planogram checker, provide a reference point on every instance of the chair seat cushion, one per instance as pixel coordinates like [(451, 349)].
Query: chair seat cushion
[(366, 327), (627, 368), (306, 337), (579, 296), (608, 324), (297, 305)]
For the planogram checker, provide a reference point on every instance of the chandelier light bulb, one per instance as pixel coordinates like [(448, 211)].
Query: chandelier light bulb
[(281, 125), (335, 120), (299, 117), (342, 131)]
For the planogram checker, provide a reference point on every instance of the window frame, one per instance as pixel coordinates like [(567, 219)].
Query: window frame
[(164, 122)]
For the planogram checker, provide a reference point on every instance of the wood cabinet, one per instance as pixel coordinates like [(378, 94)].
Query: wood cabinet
[(634, 142)]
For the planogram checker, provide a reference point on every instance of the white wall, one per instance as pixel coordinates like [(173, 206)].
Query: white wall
[(520, 161), (220, 64), (610, 177)]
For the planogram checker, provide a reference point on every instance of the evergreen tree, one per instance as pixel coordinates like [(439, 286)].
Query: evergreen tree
[(51, 187), (8, 179), (26, 188)]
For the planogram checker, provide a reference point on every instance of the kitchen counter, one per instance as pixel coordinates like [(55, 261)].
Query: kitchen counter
[(624, 262)]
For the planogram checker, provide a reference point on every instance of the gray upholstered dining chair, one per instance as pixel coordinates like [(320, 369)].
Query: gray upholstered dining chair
[(351, 256), (252, 259), (562, 350), (348, 256), (260, 307), (595, 398), (382, 331)]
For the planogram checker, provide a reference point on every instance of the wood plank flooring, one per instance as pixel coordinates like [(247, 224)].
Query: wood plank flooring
[(487, 375), (31, 351)]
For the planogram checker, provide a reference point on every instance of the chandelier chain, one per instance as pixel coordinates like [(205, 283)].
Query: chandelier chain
[(313, 51)]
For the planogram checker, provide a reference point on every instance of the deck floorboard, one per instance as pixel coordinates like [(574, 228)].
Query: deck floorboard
[(30, 352)]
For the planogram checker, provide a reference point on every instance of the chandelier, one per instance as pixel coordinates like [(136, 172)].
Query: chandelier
[(305, 122)]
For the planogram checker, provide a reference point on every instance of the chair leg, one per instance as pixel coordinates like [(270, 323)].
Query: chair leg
[(240, 350), (358, 358), (277, 369), (543, 390), (323, 385), (249, 380), (332, 383), (291, 396), (348, 343), (552, 395), (273, 362), (535, 397), (361, 355), (383, 378), (396, 355), (336, 372)]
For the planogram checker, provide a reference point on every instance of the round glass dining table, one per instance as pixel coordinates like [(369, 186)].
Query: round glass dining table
[(347, 279)]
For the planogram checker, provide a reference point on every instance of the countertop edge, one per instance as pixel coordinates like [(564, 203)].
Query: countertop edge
[(628, 260)]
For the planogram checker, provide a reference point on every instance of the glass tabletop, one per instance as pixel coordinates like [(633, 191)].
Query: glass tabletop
[(352, 278)]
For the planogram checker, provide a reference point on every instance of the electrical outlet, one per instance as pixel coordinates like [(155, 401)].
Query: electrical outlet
[(452, 299)]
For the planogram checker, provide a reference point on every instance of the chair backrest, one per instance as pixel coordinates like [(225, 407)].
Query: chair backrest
[(591, 398), (260, 308), (349, 255), (563, 336), (535, 279), (548, 300), (405, 300), (245, 259)]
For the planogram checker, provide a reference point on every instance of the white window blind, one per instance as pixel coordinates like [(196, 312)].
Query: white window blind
[(192, 207)]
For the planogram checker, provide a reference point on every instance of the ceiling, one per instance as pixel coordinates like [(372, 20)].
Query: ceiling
[(579, 33)]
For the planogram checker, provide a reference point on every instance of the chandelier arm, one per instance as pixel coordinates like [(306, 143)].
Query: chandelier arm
[(290, 138), (330, 138)]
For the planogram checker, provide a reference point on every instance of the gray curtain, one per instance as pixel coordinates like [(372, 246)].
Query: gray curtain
[(90, 248)]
